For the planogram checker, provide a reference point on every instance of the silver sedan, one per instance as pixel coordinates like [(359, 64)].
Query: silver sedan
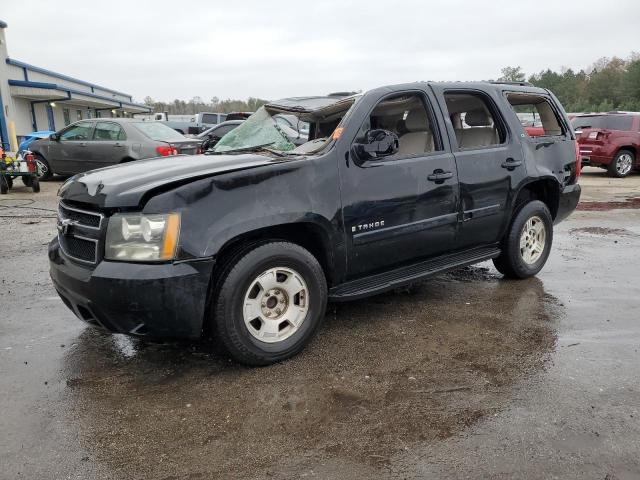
[(97, 143)]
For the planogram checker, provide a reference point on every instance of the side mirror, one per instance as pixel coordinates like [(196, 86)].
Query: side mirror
[(378, 143), (55, 137)]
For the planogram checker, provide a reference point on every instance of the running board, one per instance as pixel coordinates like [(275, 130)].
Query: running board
[(363, 287)]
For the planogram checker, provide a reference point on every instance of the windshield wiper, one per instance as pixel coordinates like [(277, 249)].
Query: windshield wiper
[(254, 148)]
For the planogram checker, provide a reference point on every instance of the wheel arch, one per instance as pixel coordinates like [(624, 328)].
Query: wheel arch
[(308, 234), (631, 148), (546, 189)]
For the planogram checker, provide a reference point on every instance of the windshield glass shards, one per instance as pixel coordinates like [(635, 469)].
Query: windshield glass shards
[(259, 130)]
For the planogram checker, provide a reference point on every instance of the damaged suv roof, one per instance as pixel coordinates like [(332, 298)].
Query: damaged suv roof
[(310, 104)]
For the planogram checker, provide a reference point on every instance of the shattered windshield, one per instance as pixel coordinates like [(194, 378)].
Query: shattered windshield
[(258, 131), (290, 127)]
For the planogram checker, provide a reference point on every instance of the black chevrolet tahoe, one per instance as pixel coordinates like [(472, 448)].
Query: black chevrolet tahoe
[(248, 242)]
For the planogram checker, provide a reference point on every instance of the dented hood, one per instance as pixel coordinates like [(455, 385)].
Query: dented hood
[(125, 185)]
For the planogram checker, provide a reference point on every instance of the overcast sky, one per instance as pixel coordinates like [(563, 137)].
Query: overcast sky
[(272, 49)]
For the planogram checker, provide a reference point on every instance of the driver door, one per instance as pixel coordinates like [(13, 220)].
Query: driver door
[(68, 154), (402, 207)]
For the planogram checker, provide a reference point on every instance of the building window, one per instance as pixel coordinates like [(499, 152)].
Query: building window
[(67, 116), (98, 114), (89, 114), (79, 114)]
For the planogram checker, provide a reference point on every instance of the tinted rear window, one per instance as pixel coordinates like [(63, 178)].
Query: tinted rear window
[(209, 118), (610, 122), (158, 131)]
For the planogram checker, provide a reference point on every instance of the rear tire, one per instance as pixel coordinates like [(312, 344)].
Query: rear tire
[(4, 185), (44, 168), (527, 243), (622, 164), (27, 180), (268, 302)]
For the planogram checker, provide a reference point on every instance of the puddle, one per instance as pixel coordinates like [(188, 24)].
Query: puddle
[(602, 231), (629, 203), (383, 374)]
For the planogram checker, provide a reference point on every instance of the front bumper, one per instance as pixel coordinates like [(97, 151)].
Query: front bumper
[(158, 300), (569, 198)]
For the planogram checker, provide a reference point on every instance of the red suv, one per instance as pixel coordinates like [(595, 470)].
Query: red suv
[(609, 140)]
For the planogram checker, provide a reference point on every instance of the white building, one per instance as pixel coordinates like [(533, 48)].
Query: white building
[(33, 98)]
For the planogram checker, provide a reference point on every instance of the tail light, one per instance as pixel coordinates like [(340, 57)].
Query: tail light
[(578, 160), (166, 151), (31, 163)]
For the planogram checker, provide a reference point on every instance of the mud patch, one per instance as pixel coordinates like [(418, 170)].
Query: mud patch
[(382, 375), (602, 231), (629, 203)]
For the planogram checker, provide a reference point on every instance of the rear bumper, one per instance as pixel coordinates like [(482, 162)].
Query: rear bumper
[(591, 154), (569, 198), (158, 300)]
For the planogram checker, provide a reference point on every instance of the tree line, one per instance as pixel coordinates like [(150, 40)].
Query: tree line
[(606, 85), (197, 104)]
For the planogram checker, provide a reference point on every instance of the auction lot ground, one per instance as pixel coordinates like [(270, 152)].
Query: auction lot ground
[(464, 376)]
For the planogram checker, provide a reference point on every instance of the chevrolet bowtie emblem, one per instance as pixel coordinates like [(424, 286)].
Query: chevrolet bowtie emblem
[(64, 226)]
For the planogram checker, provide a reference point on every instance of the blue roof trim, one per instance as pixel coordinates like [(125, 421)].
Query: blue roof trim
[(27, 83), (33, 68), (62, 88)]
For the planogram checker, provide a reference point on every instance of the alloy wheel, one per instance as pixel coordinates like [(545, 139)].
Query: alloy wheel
[(624, 164), (276, 304), (533, 240)]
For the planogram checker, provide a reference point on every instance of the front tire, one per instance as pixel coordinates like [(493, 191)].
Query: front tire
[(527, 243), (44, 169), (622, 164), (268, 303)]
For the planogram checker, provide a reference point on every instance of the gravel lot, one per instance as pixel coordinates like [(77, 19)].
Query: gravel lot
[(463, 376)]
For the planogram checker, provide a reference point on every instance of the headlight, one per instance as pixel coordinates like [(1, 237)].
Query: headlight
[(142, 238)]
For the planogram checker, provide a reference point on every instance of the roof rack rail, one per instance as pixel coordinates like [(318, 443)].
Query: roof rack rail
[(522, 84)]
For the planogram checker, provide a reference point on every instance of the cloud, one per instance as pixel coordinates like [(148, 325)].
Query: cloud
[(169, 49)]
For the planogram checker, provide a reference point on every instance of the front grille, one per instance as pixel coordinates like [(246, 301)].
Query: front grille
[(80, 233), (79, 248), (83, 217)]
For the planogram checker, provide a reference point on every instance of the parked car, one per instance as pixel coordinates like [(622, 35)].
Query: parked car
[(212, 135), (185, 124), (610, 141), (32, 137), (249, 242), (90, 144)]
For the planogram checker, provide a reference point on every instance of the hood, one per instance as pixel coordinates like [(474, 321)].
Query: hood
[(125, 185)]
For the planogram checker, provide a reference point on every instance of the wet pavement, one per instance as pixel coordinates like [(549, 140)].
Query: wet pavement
[(463, 376)]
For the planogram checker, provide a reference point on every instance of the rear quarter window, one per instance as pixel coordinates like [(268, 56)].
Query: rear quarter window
[(536, 114)]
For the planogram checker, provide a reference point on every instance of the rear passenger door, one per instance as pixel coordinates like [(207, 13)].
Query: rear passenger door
[(401, 207), (489, 159)]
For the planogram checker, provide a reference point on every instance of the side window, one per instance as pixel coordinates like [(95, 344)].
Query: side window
[(107, 131), (536, 115), (223, 130), (473, 121), (407, 116), (79, 131)]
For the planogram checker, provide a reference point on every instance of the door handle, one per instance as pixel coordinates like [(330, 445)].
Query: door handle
[(439, 176), (510, 164)]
